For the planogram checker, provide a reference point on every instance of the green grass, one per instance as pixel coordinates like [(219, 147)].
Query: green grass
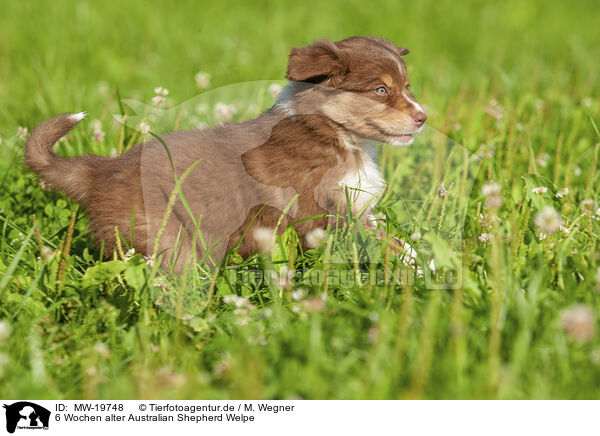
[(105, 331)]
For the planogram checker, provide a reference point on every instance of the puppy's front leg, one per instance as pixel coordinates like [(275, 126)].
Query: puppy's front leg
[(395, 245), (399, 247), (373, 222)]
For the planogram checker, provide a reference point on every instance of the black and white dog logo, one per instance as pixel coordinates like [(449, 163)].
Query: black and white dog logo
[(26, 415)]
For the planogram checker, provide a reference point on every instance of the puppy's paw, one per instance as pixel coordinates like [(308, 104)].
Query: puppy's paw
[(394, 245), (399, 247)]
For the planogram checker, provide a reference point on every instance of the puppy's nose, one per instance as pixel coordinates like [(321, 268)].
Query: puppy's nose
[(419, 118)]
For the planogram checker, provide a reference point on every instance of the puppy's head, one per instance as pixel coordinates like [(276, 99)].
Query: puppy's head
[(359, 83)]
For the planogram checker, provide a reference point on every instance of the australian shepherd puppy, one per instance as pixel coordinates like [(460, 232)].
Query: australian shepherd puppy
[(303, 158)]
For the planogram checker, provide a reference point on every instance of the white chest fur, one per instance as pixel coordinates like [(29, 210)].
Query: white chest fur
[(365, 183)]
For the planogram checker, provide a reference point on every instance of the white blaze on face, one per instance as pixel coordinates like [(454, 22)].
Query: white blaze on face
[(416, 105), (402, 71)]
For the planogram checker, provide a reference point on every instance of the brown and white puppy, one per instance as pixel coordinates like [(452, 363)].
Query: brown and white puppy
[(297, 157)]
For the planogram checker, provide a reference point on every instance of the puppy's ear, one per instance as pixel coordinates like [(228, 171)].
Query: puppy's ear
[(315, 63)]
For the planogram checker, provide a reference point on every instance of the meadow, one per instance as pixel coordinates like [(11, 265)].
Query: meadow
[(502, 189)]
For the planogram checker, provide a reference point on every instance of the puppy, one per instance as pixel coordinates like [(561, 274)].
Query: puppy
[(296, 164)]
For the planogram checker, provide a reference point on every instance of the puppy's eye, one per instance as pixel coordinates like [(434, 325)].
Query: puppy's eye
[(381, 90)]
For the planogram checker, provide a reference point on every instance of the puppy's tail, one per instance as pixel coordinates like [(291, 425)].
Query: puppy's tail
[(57, 173)]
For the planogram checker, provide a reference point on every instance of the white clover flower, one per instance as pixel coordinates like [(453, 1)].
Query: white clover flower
[(158, 100), (101, 349), (226, 111), (98, 135), (539, 190), (491, 189), (130, 253), (486, 151), (577, 171), (260, 340), (579, 323), (489, 154), (562, 193), (565, 231), (149, 260), (589, 206), (495, 110), (274, 90), (96, 124), (486, 221), (22, 132), (263, 237), (163, 92), (373, 334), (46, 253), (284, 279), (548, 220), (542, 160), (314, 304), (298, 294), (587, 102), (5, 329), (165, 377), (486, 237), (238, 302), (315, 237), (541, 236), (442, 191), (230, 299), (202, 79), (241, 321), (144, 127), (416, 236), (491, 192)]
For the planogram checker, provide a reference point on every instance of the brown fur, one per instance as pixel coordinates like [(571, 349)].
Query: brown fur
[(249, 172)]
